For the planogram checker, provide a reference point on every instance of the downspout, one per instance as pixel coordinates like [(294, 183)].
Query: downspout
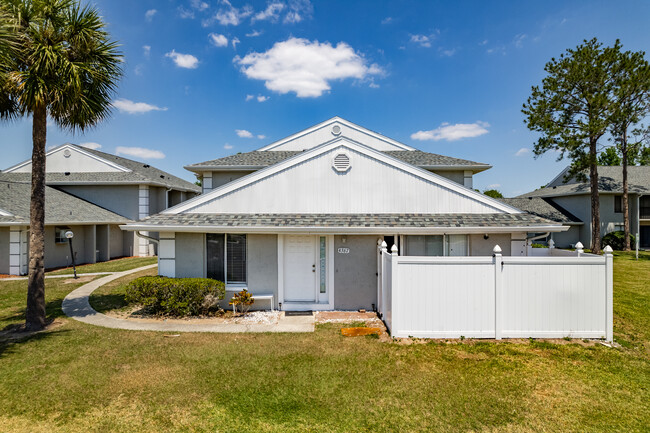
[(149, 238), (534, 238)]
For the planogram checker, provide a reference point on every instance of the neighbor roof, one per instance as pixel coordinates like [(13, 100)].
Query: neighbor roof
[(610, 180), (355, 222), (265, 158), (60, 207), (141, 173), (544, 208)]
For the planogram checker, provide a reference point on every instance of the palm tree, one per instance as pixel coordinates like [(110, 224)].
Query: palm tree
[(64, 66)]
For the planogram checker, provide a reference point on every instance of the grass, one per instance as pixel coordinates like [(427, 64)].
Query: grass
[(111, 296), (77, 377), (116, 265)]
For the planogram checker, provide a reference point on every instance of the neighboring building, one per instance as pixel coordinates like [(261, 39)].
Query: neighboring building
[(301, 219), (572, 200), (129, 189), (97, 236)]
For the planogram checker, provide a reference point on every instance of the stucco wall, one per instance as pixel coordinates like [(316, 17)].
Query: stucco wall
[(157, 199), (355, 274), (223, 177), (483, 247), (262, 263), (117, 242), (4, 250), (121, 199), (567, 238), (580, 206), (190, 255), (456, 176), (58, 255)]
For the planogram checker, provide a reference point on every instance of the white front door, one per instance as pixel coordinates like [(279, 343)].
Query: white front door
[(300, 268)]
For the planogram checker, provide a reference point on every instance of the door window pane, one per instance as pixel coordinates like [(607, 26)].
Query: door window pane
[(236, 257), (215, 256), (421, 245), (322, 264)]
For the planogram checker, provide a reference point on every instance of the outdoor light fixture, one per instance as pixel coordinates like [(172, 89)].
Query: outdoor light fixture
[(486, 236), (69, 235)]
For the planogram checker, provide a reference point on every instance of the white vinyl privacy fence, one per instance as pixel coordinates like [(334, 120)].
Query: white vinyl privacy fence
[(560, 294)]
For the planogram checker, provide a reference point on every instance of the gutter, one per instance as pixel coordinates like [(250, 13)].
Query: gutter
[(149, 238)]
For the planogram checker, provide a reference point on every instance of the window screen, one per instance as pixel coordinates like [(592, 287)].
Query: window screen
[(457, 245), (421, 245), (215, 256), (618, 204), (236, 257)]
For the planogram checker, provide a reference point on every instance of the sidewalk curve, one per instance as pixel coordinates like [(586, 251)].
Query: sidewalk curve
[(77, 306)]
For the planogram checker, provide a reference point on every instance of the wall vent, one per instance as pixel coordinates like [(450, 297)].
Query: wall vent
[(341, 162)]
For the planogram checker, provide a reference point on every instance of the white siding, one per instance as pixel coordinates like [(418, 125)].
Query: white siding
[(76, 162), (369, 186)]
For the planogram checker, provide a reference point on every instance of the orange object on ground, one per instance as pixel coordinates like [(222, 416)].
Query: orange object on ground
[(355, 332)]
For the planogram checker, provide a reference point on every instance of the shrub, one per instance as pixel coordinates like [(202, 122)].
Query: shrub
[(616, 240), (176, 296), (242, 301)]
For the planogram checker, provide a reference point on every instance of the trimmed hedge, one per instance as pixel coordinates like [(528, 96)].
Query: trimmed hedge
[(176, 296), (616, 240)]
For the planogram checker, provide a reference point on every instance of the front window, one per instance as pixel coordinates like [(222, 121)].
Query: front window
[(436, 245), (618, 204), (226, 257)]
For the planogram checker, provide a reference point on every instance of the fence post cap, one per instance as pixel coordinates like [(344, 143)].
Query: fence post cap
[(384, 244), (579, 246), (608, 250), (393, 249), (496, 249)]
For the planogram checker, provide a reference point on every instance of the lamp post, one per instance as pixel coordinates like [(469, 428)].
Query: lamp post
[(70, 235)]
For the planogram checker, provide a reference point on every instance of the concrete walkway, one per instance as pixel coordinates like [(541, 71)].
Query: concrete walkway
[(77, 306)]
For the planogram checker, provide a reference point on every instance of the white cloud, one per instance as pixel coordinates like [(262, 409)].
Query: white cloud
[(447, 53), (253, 34), (387, 20), (146, 50), (199, 5), (185, 13), (150, 14), (305, 67), (218, 40), (186, 61), (138, 69), (519, 40), (483, 42), (298, 10), (522, 152), (139, 152), (235, 41), (262, 98), (494, 186), (227, 146), (453, 132), (422, 40), (272, 12), (230, 15), (244, 133), (91, 145), (249, 97), (130, 107), (261, 136)]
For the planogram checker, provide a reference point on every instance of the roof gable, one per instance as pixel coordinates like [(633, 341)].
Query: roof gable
[(331, 129), (72, 159), (374, 183)]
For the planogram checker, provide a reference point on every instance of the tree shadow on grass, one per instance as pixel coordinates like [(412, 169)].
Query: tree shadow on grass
[(13, 335)]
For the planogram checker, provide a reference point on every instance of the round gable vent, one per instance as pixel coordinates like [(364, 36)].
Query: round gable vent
[(336, 130), (341, 162), (67, 153)]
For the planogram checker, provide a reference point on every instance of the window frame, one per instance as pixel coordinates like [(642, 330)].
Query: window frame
[(618, 204), (235, 284)]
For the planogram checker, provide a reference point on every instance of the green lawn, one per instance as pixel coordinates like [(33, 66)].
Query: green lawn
[(116, 265), (81, 378)]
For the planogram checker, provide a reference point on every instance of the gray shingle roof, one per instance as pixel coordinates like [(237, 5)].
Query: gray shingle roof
[(610, 179), (346, 220), (258, 159), (542, 207), (59, 207), (141, 173)]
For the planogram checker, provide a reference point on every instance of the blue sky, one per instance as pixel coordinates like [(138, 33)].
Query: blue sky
[(207, 78)]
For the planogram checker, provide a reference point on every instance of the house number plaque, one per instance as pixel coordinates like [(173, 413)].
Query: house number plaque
[(344, 250)]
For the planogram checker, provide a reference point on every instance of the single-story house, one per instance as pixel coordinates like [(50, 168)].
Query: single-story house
[(97, 236), (571, 200), (302, 218), (124, 187)]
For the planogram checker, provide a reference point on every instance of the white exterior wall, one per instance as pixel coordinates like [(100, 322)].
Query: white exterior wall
[(369, 186), (77, 162), (498, 297)]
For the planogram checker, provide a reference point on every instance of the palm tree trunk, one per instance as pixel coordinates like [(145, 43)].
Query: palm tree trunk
[(626, 214), (595, 198), (35, 315)]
